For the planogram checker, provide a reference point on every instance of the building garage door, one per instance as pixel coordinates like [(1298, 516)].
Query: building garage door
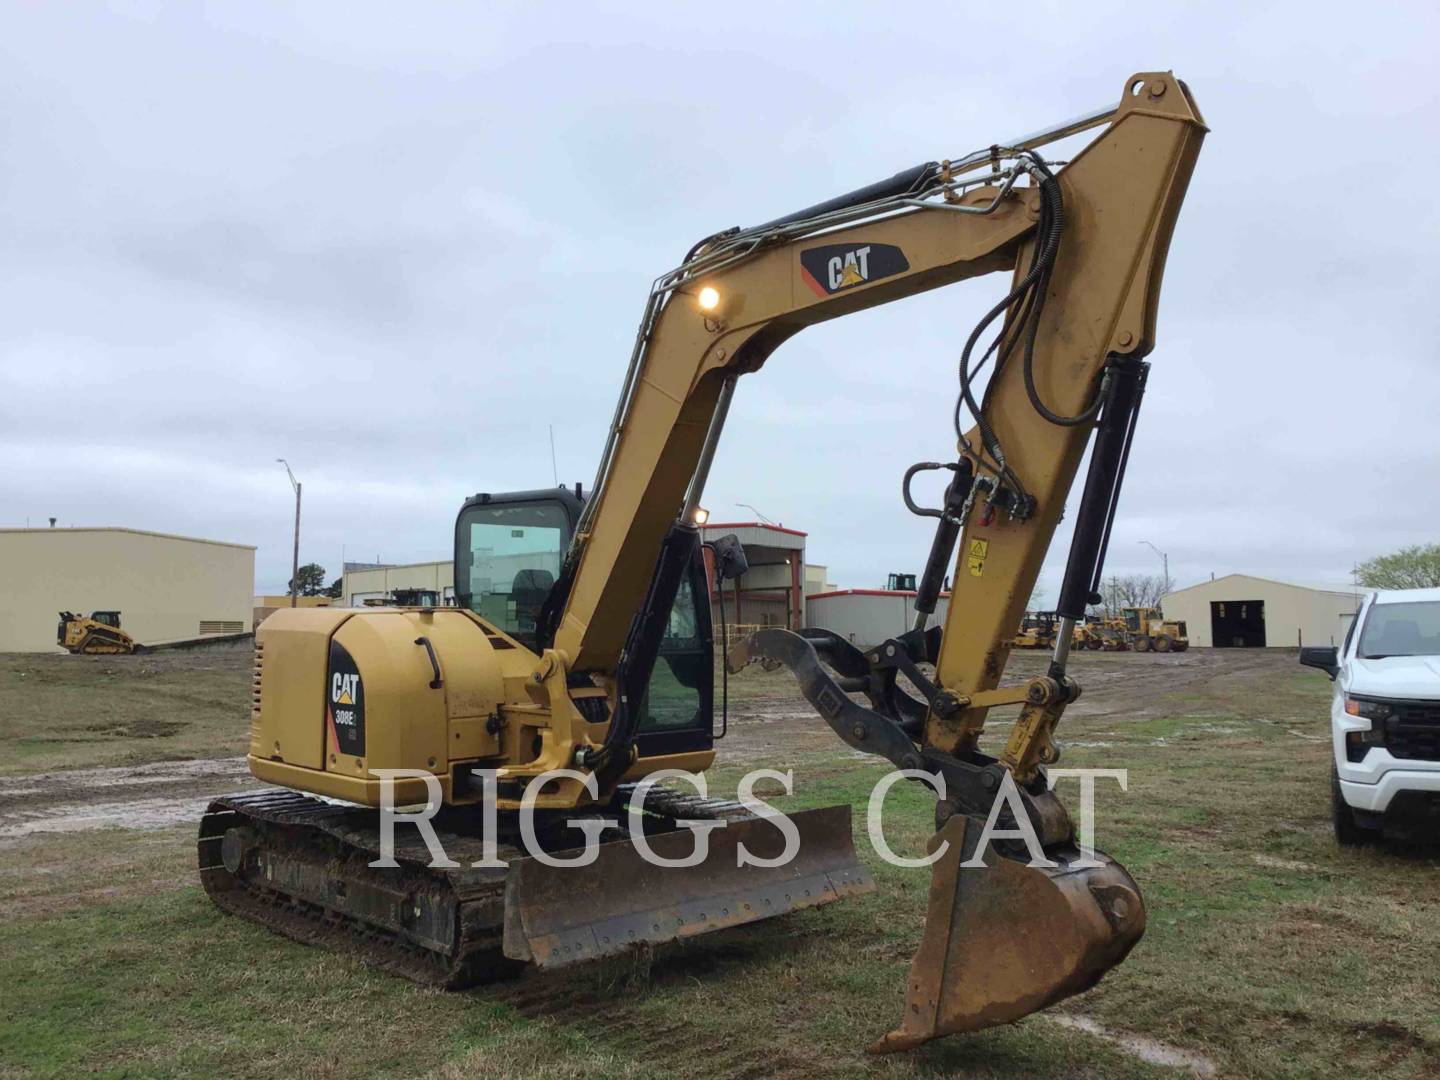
[(1238, 624)]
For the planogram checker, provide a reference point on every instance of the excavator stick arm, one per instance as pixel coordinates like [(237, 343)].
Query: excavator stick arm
[(1086, 246)]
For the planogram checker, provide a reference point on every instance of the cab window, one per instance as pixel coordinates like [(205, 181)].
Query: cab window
[(675, 697), (1406, 629), (513, 555)]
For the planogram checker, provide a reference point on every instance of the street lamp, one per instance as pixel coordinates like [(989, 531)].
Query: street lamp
[(1164, 560), (757, 513), (295, 560)]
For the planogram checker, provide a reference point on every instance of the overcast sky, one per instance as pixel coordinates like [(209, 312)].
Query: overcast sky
[(394, 243)]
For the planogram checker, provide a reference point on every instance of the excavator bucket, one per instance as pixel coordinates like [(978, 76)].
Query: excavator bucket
[(1005, 939), (562, 915)]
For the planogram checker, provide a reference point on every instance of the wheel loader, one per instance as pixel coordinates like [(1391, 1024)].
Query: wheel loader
[(578, 665), (1147, 630), (1037, 631)]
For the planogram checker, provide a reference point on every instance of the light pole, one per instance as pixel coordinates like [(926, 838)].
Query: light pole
[(757, 513), (295, 558), (1165, 561)]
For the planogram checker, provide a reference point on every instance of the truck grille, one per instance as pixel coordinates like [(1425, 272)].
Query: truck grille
[(1413, 731)]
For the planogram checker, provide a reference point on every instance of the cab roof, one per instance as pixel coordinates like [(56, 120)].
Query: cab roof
[(1406, 596)]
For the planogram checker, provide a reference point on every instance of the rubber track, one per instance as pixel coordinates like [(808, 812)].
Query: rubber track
[(344, 839)]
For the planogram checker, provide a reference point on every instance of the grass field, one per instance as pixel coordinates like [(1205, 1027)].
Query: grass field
[(67, 712), (1269, 951)]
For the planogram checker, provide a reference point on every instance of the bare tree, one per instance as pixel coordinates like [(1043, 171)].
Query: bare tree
[(1131, 590)]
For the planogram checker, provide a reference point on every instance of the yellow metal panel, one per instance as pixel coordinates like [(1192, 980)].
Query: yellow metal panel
[(405, 724), (408, 792), (295, 647)]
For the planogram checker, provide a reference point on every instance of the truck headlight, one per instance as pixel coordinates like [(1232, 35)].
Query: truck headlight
[(1368, 709), (1359, 743)]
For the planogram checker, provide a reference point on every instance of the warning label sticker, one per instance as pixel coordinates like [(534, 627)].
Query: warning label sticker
[(975, 553)]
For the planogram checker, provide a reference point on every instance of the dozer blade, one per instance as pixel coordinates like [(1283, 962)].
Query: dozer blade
[(1006, 939), (562, 915)]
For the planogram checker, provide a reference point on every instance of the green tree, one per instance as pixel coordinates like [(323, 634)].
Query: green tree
[(334, 591), (1415, 567), (312, 580)]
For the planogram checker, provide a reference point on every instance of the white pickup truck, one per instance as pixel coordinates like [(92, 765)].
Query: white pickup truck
[(1385, 718)]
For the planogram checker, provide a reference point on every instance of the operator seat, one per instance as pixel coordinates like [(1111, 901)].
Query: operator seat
[(527, 592)]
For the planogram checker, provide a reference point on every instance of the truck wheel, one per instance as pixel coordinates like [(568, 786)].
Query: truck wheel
[(1142, 644), (1347, 832), (1094, 643), (1163, 643)]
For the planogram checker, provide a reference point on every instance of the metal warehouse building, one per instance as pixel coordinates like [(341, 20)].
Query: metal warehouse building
[(166, 588), (1239, 611), (773, 591), (369, 581), (867, 617)]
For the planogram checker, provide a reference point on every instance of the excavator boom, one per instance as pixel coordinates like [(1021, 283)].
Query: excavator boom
[(1085, 245)]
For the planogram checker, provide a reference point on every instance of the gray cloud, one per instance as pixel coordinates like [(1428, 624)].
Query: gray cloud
[(395, 247)]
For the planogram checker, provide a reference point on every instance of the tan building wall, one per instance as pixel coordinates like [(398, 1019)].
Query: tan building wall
[(362, 585), (265, 606), (279, 600), (1293, 614), (163, 586)]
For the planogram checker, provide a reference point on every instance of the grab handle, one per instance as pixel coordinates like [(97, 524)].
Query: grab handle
[(437, 682)]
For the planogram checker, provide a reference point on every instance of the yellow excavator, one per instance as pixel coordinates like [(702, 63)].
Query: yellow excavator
[(581, 639)]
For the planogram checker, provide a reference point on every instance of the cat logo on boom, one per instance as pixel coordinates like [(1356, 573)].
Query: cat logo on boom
[(830, 268)]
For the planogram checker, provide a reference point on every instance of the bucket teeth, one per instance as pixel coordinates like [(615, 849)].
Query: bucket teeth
[(1005, 939)]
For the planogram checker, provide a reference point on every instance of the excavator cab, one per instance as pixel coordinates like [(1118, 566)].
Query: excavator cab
[(508, 553)]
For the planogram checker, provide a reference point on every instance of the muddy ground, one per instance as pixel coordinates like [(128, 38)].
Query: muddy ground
[(769, 724), (1268, 950), (769, 718)]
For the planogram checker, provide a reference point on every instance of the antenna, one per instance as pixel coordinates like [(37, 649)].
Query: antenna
[(757, 513), (554, 471)]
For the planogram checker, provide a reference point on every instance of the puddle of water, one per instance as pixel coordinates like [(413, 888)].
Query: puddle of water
[(1150, 1051), (140, 814), (125, 775)]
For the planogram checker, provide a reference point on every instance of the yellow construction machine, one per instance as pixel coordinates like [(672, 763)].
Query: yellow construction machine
[(1146, 629), (99, 634), (1037, 631), (95, 634), (1102, 632), (581, 639), (421, 598)]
